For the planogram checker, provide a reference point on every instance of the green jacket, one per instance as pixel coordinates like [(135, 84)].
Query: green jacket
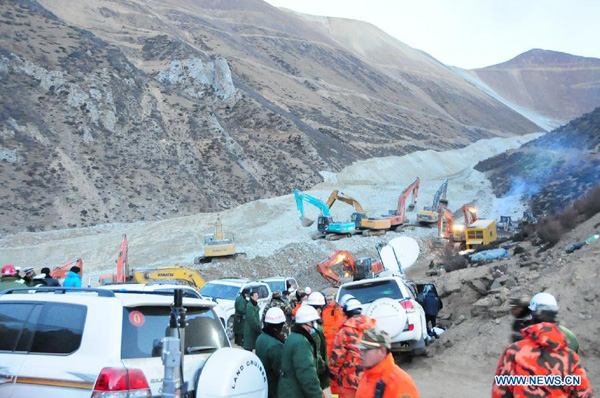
[(298, 371), (322, 358), (572, 342), (11, 282), (240, 313), (251, 325), (269, 350)]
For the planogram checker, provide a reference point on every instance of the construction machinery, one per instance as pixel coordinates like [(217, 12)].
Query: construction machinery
[(397, 216), (217, 245), (369, 226), (529, 218), (505, 224), (481, 233), (429, 215), (358, 269), (175, 274), (458, 230), (327, 228), (445, 223), (596, 150), (61, 271)]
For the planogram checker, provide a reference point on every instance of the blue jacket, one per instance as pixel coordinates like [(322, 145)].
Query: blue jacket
[(432, 304), (72, 280)]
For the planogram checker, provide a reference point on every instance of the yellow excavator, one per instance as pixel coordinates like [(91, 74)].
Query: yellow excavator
[(429, 215), (370, 226), (175, 274), (216, 245)]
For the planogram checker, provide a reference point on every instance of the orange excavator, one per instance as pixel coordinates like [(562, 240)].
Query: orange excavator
[(61, 271), (122, 266), (458, 230), (370, 226), (398, 217), (358, 269), (445, 222)]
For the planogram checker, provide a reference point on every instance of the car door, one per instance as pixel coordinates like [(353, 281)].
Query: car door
[(16, 320)]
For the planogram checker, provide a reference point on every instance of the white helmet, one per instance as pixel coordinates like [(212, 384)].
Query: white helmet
[(306, 314), (543, 301), (345, 299), (352, 304), (275, 316), (307, 290), (316, 298)]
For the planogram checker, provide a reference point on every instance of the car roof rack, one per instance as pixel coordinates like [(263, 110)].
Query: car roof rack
[(59, 290), (156, 292)]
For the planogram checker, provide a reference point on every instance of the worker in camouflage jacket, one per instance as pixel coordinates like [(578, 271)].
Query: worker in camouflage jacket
[(345, 365), (277, 301), (543, 351)]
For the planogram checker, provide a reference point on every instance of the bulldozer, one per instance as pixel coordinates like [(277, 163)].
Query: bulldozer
[(176, 274), (368, 225), (217, 245)]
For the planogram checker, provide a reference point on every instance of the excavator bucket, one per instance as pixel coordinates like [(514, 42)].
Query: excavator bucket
[(307, 222)]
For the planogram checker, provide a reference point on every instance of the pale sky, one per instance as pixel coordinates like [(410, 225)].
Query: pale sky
[(473, 33)]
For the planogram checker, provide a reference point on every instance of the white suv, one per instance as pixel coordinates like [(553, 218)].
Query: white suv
[(82, 343), (224, 292), (391, 301), (280, 283)]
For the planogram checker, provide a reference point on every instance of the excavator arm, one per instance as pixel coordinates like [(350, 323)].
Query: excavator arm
[(176, 274), (445, 217), (470, 214), (325, 267), (303, 197), (413, 189), (61, 271), (336, 195), (440, 195)]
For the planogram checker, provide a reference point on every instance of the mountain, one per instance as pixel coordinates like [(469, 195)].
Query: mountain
[(554, 84), (552, 170), (131, 110)]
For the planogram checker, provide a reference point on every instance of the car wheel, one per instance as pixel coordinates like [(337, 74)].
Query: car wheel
[(229, 329)]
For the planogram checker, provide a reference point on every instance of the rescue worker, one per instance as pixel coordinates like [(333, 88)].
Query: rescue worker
[(278, 302), (345, 364), (301, 299), (317, 301), (382, 378), (240, 313), (298, 363), (333, 317), (73, 278), (432, 306), (251, 322), (50, 281), (543, 351), (519, 308), (269, 347), (10, 278)]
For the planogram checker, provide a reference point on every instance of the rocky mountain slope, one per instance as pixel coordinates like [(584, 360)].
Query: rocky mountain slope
[(553, 170), (113, 111), (557, 85)]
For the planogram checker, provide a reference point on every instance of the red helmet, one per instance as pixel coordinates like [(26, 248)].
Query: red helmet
[(9, 270)]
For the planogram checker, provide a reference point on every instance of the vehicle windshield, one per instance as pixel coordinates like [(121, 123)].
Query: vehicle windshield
[(144, 327), (369, 292), (220, 291), (276, 286)]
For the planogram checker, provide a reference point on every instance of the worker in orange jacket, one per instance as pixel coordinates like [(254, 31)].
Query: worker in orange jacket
[(382, 378), (345, 364), (333, 318)]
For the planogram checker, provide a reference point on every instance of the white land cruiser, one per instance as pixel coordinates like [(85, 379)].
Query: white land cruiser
[(82, 343), (391, 301), (280, 283), (224, 292)]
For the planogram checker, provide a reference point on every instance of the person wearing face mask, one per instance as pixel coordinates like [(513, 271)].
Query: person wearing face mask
[(345, 364), (299, 377), (252, 322), (269, 347), (317, 301)]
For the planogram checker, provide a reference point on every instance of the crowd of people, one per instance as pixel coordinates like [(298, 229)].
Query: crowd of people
[(312, 346), (11, 278)]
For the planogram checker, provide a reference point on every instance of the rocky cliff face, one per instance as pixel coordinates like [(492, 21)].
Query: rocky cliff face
[(116, 111), (557, 85), (553, 170)]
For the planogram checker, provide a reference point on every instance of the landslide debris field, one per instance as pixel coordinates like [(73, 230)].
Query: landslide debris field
[(475, 299)]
